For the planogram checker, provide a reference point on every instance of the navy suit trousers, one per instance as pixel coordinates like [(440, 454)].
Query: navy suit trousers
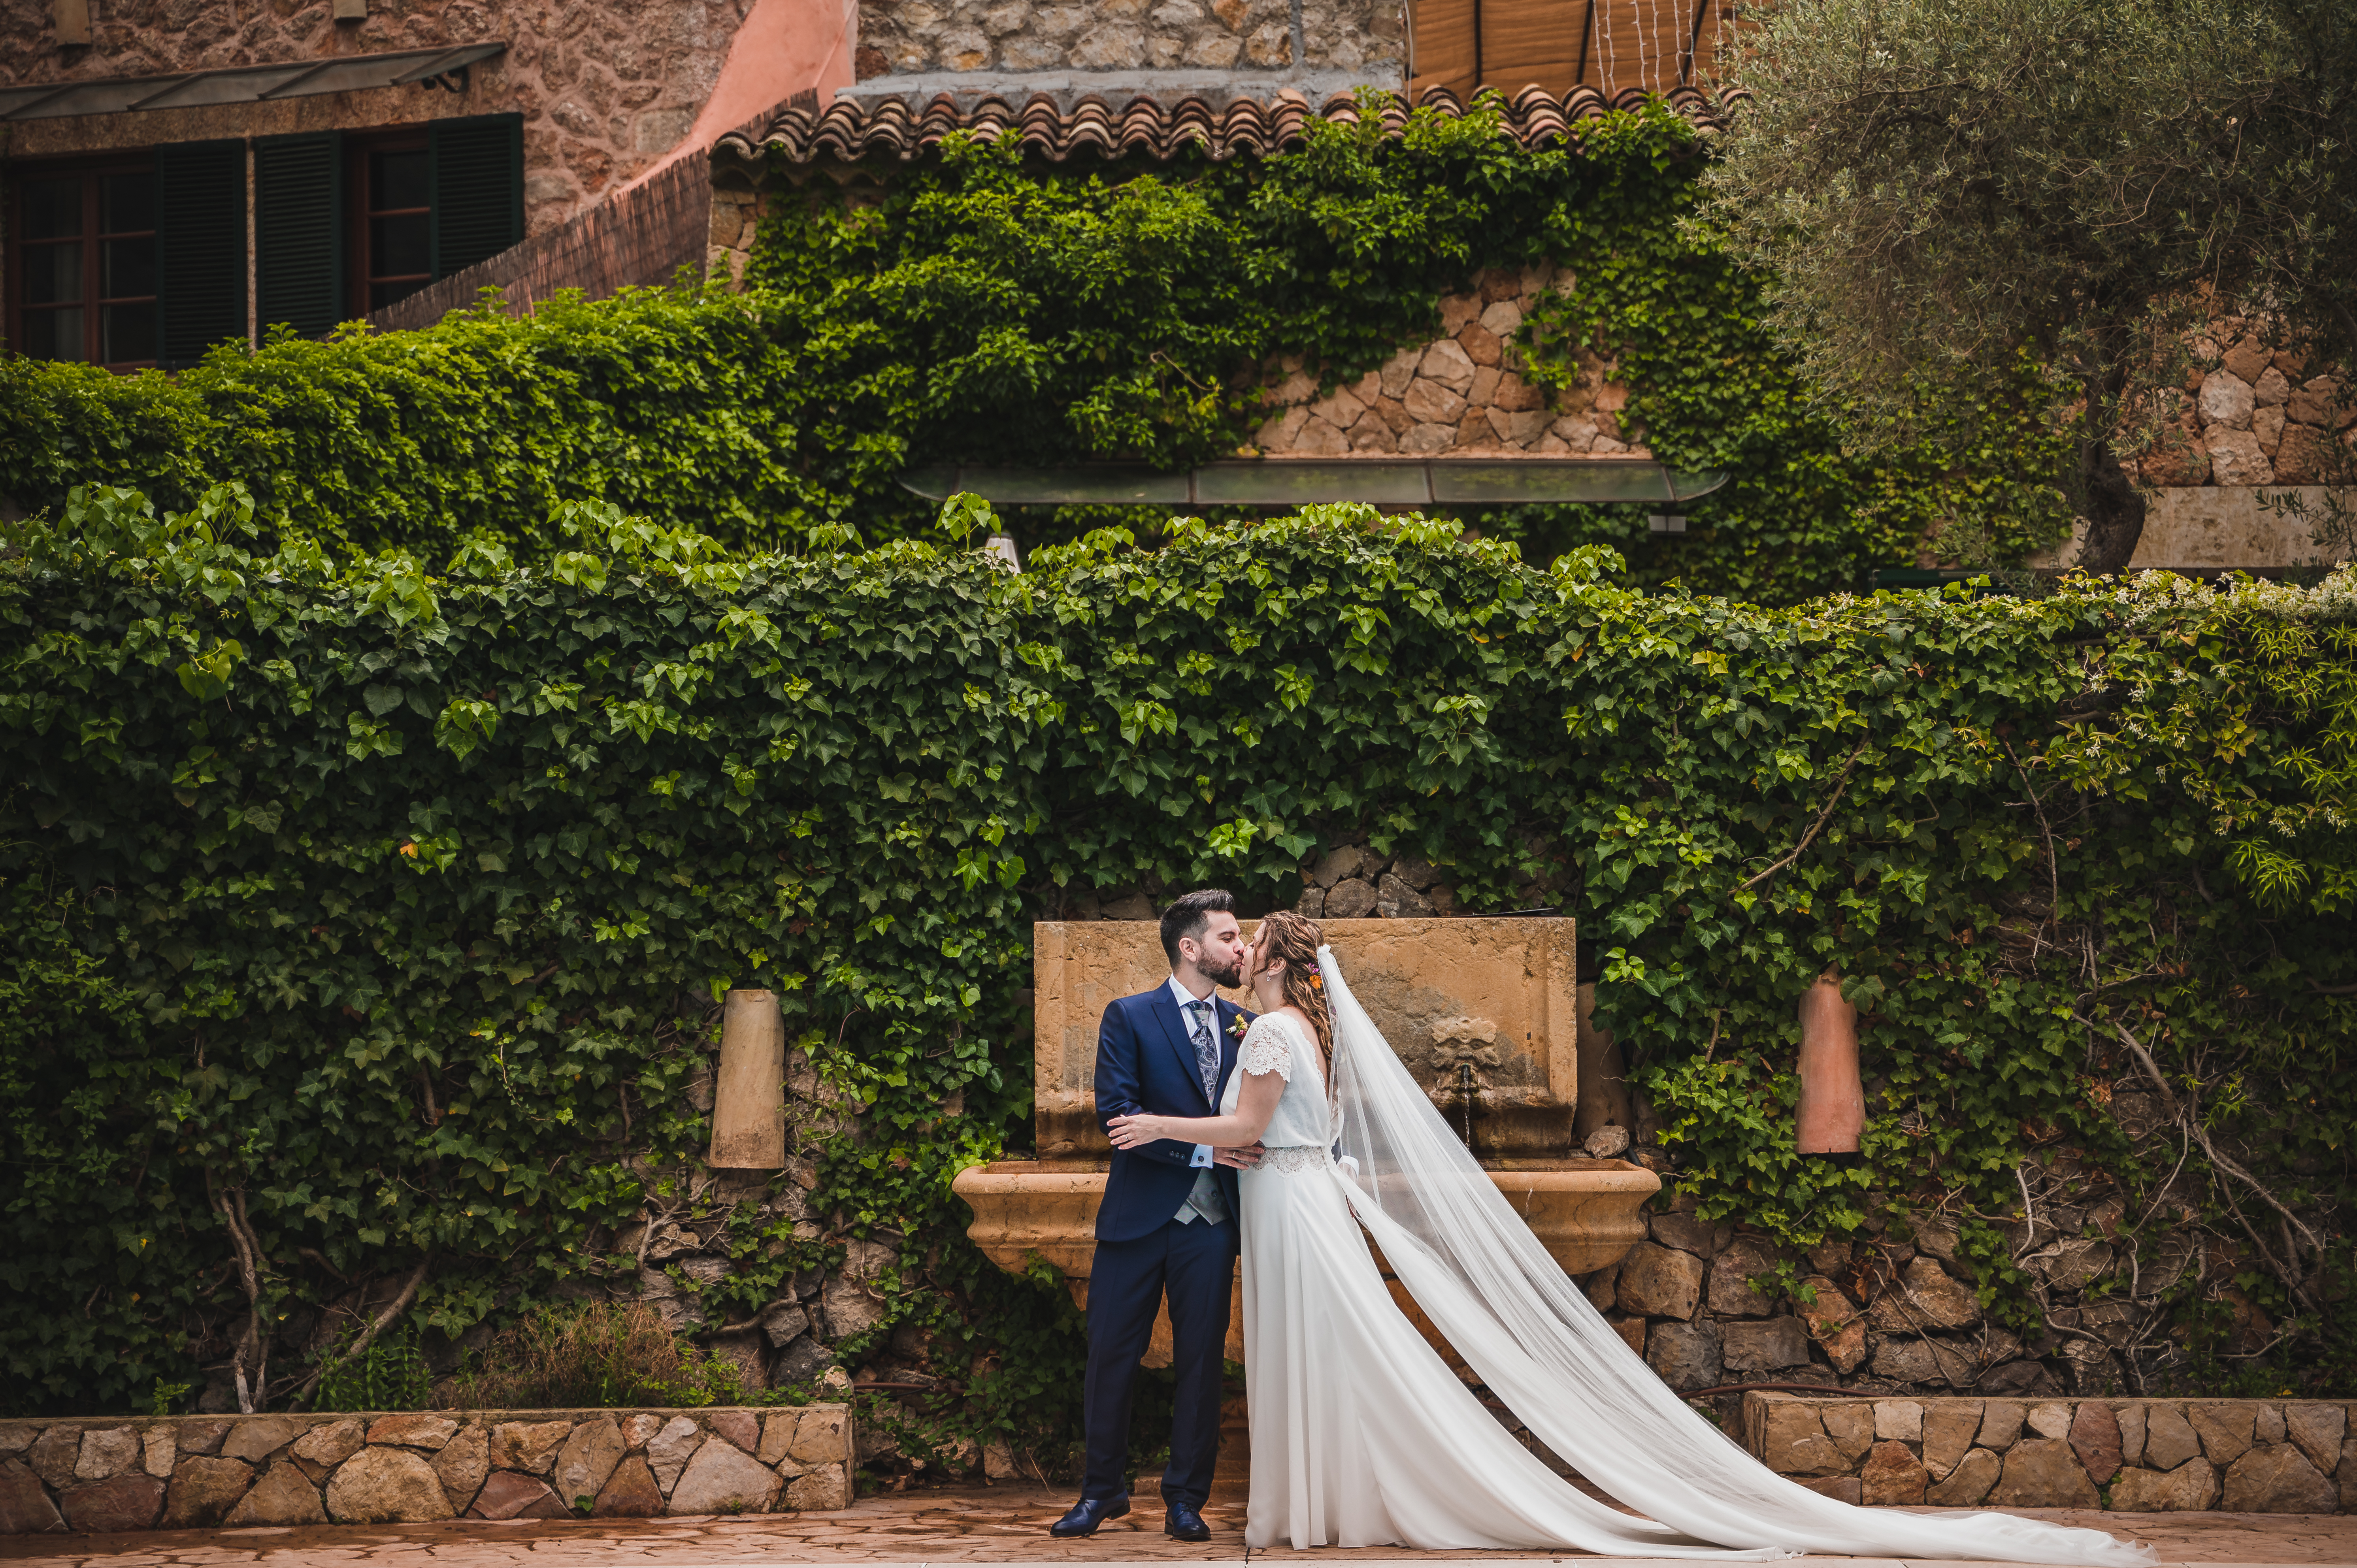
[(1195, 1266)]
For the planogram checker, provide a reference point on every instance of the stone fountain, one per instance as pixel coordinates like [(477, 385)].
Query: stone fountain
[(1483, 1011)]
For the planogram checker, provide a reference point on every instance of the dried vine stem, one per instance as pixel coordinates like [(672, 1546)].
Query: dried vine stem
[(2053, 862), (252, 1347), (367, 1336), (1841, 787), (2289, 1267)]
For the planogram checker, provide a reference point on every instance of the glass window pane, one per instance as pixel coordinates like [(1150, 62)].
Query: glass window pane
[(52, 208), (52, 274), (397, 179), (127, 204), (53, 334), (128, 332), (384, 294), (398, 245), (129, 269)]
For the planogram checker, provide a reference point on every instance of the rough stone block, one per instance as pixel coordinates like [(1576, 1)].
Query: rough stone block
[(204, 1490), (2073, 1264), (637, 1429), (2042, 1473), (724, 1478), (1685, 1355), (123, 1502), (2130, 1414), (1841, 1488), (160, 1450), (106, 1452), (2095, 1439), (1924, 1296), (25, 1506), (1659, 1282), (1731, 1274), (414, 1430), (2049, 1418), (54, 1453), (1892, 1477), (2227, 399), (202, 1436), (530, 1446), (2318, 1429), (461, 1465), (1897, 1421), (1794, 1441), (2001, 1424), (1850, 1425), (284, 1495), (16, 1436), (823, 1435), (669, 1450), (588, 1458), (823, 1491), (1351, 899), (2348, 1475), (1948, 1429), (1931, 1361), (509, 1495), (2277, 1479), (332, 1443), (259, 1436), (1835, 1323), (1686, 1233), (1968, 1483), (776, 1437), (629, 1493), (2189, 1488), (741, 1427), (2170, 1439), (1762, 1345), (2224, 1427), (386, 1485)]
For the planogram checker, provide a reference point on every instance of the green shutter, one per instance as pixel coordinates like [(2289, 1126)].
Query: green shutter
[(477, 167), (200, 248), (298, 232)]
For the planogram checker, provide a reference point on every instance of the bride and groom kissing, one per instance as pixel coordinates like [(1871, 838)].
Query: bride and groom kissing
[(1290, 1135)]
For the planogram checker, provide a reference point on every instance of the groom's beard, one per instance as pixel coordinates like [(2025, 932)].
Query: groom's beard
[(1230, 977)]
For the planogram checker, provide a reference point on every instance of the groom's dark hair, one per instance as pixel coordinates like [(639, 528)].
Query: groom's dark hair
[(1189, 914)]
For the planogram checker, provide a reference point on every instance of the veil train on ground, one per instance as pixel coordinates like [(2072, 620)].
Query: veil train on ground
[(1520, 1322)]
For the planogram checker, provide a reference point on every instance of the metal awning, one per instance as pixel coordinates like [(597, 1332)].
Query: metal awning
[(239, 84), (1301, 481)]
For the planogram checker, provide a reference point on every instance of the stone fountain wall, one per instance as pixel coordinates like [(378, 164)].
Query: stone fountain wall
[(2132, 1455), (192, 1471)]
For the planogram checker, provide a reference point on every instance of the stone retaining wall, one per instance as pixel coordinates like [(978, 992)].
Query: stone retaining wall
[(2132, 1455), (192, 1471)]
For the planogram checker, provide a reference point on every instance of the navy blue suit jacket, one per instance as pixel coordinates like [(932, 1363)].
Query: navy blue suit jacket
[(1145, 1062)]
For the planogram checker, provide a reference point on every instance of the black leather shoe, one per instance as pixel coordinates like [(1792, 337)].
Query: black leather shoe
[(1090, 1512), (1186, 1524)]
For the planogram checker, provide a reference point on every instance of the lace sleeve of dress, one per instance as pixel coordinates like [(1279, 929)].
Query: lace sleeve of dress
[(1265, 1050)]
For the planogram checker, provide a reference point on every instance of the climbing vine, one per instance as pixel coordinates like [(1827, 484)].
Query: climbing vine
[(365, 921)]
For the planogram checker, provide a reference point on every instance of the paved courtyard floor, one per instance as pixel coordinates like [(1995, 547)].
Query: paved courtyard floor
[(976, 1524)]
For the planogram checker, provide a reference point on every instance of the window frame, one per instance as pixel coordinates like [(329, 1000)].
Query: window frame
[(89, 171), (359, 149)]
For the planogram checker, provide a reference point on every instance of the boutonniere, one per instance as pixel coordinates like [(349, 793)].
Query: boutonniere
[(1237, 1026)]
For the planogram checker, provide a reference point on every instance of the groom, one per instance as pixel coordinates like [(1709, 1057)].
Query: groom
[(1167, 1224)]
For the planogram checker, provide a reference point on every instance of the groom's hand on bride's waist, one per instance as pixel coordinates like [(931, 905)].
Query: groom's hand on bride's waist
[(1242, 1159)]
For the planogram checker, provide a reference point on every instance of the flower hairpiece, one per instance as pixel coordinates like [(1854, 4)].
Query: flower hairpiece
[(1317, 980)]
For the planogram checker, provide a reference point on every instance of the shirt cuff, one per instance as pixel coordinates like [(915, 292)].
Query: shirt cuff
[(1202, 1156)]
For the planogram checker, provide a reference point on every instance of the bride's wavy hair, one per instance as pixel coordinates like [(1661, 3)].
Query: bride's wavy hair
[(1295, 939)]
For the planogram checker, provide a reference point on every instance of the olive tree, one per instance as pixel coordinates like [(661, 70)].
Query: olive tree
[(1938, 186)]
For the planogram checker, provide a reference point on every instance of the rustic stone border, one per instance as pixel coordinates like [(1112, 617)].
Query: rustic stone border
[(2129, 1455), (190, 1471)]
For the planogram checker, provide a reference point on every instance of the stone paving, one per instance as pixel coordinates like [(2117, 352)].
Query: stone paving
[(973, 1524)]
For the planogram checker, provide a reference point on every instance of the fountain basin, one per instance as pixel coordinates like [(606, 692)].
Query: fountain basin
[(1587, 1213)]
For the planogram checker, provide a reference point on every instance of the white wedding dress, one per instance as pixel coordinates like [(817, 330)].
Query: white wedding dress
[(1363, 1437)]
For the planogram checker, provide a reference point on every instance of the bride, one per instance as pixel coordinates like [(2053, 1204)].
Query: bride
[(1363, 1437)]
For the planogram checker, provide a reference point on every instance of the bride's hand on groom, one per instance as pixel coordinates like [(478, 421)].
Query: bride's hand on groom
[(1134, 1131), (1242, 1159)]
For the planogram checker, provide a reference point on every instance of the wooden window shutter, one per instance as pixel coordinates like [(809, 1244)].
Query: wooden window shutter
[(477, 170), (200, 248), (1443, 46), (298, 232)]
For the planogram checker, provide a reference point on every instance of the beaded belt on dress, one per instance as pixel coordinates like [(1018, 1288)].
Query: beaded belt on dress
[(1297, 1158)]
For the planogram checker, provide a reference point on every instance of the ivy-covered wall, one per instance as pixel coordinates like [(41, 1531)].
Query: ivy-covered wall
[(367, 919), (973, 305)]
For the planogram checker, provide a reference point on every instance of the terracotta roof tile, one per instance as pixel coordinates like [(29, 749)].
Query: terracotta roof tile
[(847, 131)]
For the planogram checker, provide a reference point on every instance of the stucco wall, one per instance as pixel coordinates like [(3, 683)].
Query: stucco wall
[(606, 88)]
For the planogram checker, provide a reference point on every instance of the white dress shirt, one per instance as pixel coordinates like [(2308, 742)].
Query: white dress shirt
[(1204, 1201)]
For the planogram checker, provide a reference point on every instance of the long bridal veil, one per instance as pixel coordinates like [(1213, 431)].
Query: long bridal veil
[(1515, 1316)]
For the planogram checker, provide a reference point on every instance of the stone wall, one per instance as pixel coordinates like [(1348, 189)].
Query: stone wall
[(1460, 394), (2129, 1456), (910, 38), (605, 87), (2248, 414), (186, 1472)]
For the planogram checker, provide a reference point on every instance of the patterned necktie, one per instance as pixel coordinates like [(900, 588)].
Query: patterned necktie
[(1207, 1050)]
